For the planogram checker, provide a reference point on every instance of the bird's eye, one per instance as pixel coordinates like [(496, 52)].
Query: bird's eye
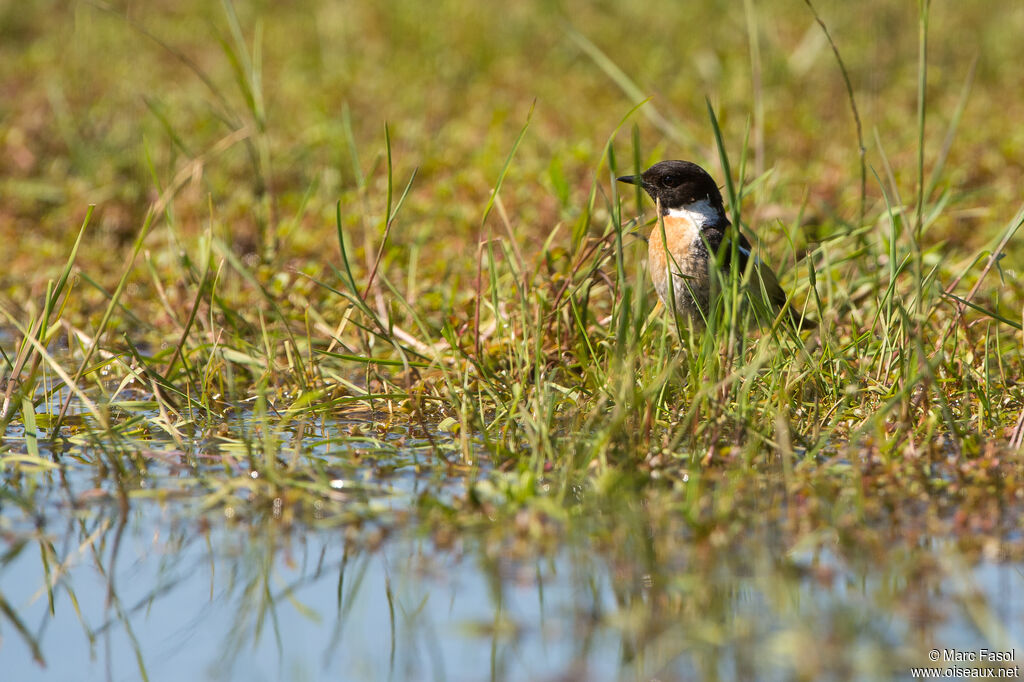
[(671, 181)]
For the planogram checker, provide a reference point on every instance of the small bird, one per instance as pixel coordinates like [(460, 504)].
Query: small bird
[(697, 239)]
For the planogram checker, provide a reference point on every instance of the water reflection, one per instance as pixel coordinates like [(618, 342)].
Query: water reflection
[(373, 557), (149, 592)]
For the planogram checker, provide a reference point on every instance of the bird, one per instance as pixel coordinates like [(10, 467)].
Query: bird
[(697, 240)]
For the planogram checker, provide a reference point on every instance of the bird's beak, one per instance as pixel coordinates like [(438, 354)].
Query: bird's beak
[(630, 179)]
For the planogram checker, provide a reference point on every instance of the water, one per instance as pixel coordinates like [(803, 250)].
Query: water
[(254, 601), (402, 576)]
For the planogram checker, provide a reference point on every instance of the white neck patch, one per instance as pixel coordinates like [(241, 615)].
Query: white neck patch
[(700, 213)]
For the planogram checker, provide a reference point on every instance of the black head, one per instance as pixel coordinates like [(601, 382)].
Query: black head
[(677, 184)]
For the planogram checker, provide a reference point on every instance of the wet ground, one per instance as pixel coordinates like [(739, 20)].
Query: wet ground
[(405, 573)]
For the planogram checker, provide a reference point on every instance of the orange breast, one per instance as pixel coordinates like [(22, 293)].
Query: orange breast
[(686, 257)]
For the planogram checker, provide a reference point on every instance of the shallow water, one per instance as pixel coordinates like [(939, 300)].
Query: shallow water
[(169, 586), (250, 602)]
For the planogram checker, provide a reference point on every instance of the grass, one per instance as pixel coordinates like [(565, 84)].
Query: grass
[(305, 229)]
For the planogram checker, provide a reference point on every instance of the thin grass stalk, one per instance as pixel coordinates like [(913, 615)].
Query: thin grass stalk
[(861, 149)]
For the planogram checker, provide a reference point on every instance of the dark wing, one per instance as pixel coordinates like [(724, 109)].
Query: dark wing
[(721, 248), (720, 244), (763, 276)]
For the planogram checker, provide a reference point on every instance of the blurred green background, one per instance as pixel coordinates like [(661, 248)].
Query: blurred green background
[(108, 103)]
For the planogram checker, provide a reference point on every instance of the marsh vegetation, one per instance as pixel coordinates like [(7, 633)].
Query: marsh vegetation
[(330, 351)]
